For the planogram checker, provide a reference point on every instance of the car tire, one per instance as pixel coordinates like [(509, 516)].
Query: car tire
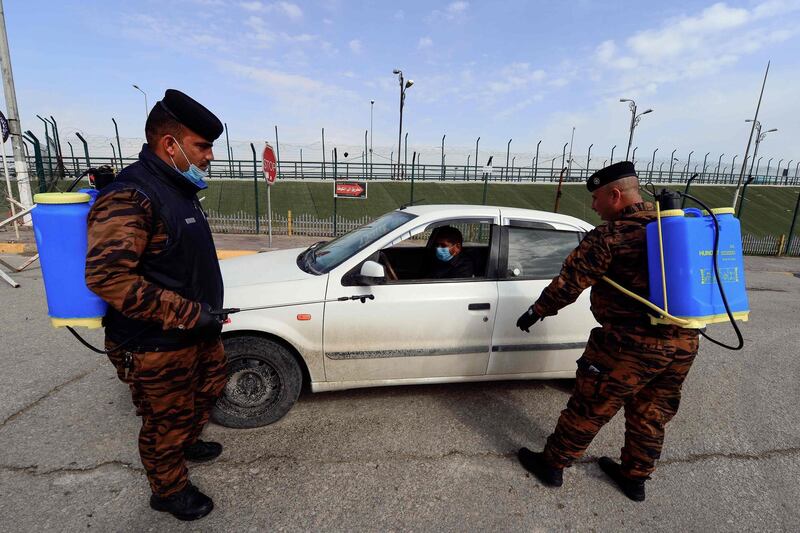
[(264, 382)]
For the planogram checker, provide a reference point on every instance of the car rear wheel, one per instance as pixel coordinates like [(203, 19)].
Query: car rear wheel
[(264, 381)]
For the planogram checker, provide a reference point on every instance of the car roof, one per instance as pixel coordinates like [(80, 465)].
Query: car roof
[(505, 212)]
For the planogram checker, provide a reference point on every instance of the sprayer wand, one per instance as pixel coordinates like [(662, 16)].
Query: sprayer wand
[(224, 312)]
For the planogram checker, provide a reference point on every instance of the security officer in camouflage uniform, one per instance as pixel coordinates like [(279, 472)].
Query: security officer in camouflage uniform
[(152, 258), (627, 362)]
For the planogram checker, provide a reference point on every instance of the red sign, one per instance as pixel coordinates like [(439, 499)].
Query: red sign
[(270, 166), (350, 189)]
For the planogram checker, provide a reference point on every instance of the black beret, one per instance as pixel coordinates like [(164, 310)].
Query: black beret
[(191, 114), (620, 170)]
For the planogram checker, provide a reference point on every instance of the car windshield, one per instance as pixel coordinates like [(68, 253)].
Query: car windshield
[(322, 258)]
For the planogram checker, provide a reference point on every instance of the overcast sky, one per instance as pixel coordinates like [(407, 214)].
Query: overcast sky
[(503, 69)]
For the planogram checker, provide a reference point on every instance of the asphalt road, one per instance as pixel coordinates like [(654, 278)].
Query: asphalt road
[(409, 458)]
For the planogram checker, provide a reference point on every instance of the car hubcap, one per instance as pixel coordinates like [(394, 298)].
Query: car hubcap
[(252, 383)]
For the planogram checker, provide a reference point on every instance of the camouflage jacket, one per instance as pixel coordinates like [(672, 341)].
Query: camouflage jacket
[(617, 249)]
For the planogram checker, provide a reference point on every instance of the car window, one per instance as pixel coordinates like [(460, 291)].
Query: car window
[(324, 258), (536, 253), (414, 258)]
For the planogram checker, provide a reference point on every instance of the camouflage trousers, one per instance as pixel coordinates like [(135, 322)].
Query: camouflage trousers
[(173, 392), (640, 369)]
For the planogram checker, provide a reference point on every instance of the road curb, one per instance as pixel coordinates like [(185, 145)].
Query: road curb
[(17, 248), (229, 254)]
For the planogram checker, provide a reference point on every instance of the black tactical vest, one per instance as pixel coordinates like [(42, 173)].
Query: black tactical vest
[(188, 265)]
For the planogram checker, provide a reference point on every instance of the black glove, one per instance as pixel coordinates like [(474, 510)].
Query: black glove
[(206, 320), (528, 318)]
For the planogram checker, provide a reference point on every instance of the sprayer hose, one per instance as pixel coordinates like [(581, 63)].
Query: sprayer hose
[(675, 320)]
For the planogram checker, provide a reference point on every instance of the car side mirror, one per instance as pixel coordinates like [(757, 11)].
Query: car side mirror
[(372, 272)]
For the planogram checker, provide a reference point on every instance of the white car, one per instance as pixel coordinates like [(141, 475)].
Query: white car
[(340, 320)]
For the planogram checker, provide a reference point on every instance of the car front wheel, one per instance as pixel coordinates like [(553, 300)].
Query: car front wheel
[(264, 381)]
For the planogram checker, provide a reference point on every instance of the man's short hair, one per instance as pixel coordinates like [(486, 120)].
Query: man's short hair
[(160, 123), (451, 234)]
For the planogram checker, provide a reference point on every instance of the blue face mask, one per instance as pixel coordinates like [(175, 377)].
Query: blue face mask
[(193, 174), (443, 254)]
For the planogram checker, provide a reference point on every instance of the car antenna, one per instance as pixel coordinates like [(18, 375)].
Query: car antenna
[(409, 204)]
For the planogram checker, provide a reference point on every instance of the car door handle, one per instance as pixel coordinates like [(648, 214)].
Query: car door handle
[(479, 307)]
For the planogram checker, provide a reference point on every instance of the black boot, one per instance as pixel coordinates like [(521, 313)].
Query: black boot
[(188, 504), (632, 488), (202, 451), (535, 464)]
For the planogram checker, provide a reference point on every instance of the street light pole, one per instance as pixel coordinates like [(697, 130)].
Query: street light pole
[(703, 173), (536, 165), (612, 154), (146, 107), (403, 86), (634, 121)]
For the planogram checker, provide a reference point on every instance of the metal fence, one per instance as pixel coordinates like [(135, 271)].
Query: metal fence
[(303, 224), (48, 169)]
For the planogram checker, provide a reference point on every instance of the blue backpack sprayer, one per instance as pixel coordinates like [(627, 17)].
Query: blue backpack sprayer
[(696, 267)]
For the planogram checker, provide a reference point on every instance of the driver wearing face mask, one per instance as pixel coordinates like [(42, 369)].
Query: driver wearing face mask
[(449, 260)]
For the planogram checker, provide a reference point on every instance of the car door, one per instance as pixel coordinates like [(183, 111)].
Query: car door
[(412, 329), (531, 254)]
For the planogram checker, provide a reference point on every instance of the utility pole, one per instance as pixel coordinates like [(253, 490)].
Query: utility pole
[(20, 165), (750, 139)]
